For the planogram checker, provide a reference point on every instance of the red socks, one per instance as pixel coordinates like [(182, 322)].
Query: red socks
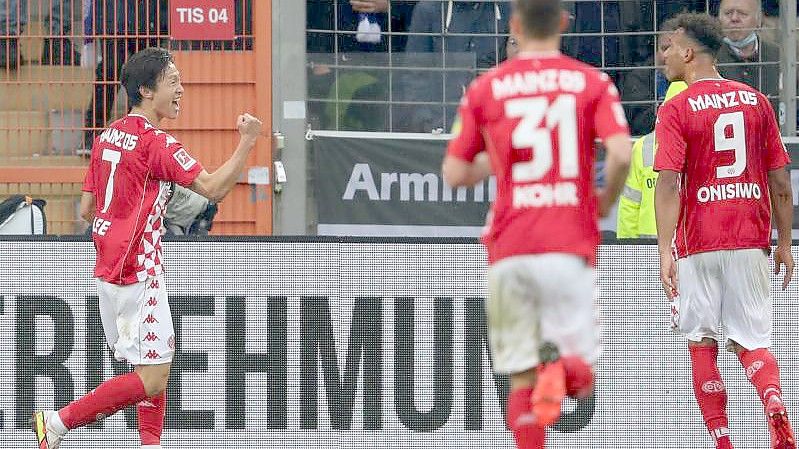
[(108, 398), (762, 370), (579, 376), (710, 392), (151, 419), (526, 432)]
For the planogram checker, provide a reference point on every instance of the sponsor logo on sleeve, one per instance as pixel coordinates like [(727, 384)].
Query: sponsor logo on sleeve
[(183, 158)]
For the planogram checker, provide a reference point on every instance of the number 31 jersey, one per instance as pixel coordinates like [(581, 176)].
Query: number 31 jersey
[(538, 115), (723, 139), (131, 168)]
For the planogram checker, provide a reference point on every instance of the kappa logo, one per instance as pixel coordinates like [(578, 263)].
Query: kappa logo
[(154, 284), (171, 342), (150, 319), (151, 354), (752, 369), (152, 302), (151, 336), (713, 386), (183, 158)]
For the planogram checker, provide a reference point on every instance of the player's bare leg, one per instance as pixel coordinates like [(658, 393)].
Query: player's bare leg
[(764, 374), (709, 390)]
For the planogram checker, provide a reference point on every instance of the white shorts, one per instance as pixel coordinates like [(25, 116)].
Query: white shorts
[(540, 298), (137, 321), (729, 287)]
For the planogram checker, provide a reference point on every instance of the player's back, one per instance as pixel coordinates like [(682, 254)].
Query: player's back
[(731, 141), (541, 114), (131, 164)]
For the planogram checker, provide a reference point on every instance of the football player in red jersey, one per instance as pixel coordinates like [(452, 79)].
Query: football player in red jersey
[(723, 174), (126, 188), (532, 121)]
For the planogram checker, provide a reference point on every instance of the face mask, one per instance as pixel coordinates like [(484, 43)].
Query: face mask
[(745, 42)]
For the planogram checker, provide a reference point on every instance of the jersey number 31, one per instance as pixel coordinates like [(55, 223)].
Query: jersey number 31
[(538, 119)]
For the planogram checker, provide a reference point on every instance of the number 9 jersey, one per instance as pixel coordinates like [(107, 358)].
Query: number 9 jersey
[(538, 116), (131, 168), (722, 137)]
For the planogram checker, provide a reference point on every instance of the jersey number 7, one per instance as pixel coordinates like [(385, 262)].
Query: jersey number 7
[(112, 156)]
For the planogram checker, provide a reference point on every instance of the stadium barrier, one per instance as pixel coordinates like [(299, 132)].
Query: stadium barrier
[(333, 342), (390, 184)]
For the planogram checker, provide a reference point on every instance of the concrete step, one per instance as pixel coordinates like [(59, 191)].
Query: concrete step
[(24, 133), (45, 97), (49, 73)]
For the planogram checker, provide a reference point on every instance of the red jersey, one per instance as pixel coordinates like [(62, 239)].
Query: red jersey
[(722, 137), (131, 168), (538, 115)]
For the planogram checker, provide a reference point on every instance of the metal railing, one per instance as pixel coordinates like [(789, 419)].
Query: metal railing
[(409, 77)]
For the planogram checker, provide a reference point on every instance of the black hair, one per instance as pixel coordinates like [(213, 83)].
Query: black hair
[(540, 18), (703, 29), (144, 69)]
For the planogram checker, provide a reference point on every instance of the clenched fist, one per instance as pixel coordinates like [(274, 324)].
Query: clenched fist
[(249, 126)]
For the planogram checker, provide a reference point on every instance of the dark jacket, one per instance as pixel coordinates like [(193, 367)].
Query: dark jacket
[(761, 72), (452, 60)]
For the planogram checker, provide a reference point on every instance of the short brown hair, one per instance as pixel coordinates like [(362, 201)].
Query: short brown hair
[(703, 29), (540, 18)]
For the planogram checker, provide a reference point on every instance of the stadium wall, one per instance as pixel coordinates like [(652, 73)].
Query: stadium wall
[(335, 342)]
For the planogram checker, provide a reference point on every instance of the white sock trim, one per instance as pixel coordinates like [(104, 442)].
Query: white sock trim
[(151, 446), (771, 391), (720, 432), (55, 424)]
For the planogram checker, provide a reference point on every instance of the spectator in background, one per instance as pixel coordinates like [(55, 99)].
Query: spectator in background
[(745, 56), (458, 38), (57, 18), (336, 25), (645, 85), (350, 34), (12, 23), (115, 29)]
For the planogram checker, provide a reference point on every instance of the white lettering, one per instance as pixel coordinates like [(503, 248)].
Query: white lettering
[(696, 104), (545, 195), (386, 181), (119, 139), (532, 83), (420, 183), (100, 226), (723, 192), (723, 100), (412, 187), (361, 179)]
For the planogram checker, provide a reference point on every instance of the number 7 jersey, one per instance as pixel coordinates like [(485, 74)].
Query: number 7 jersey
[(132, 166), (538, 116), (721, 136)]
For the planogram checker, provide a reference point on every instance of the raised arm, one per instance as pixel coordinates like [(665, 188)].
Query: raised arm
[(215, 186)]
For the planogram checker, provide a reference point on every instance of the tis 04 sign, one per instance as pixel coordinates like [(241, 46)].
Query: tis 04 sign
[(202, 20)]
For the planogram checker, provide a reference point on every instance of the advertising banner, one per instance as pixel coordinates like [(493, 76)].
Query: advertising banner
[(375, 184), (202, 20), (352, 345)]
